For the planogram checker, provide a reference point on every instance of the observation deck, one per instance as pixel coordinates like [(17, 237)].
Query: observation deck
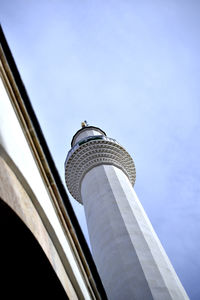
[(92, 151)]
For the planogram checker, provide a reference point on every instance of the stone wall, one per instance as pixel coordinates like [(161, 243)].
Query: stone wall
[(15, 195)]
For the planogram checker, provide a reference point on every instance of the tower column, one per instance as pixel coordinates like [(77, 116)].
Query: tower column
[(129, 257)]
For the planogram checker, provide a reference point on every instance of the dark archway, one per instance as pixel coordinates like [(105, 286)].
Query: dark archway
[(25, 271)]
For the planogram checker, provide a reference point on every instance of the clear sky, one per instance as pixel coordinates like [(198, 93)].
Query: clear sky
[(131, 68)]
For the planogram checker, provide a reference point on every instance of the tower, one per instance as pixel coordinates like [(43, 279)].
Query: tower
[(130, 259)]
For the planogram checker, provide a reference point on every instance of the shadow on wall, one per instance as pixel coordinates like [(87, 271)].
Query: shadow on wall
[(24, 268)]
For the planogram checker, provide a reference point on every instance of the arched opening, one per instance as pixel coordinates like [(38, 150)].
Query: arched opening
[(25, 271)]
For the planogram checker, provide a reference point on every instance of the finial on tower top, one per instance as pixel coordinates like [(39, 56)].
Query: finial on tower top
[(84, 124)]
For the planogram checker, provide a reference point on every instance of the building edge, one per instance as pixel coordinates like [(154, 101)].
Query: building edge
[(26, 114)]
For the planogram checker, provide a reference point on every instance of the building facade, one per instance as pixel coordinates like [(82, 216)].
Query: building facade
[(35, 211)]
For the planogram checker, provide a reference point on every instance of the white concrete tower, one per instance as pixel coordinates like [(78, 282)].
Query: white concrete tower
[(130, 259)]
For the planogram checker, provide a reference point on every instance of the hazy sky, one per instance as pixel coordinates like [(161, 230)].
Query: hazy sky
[(131, 68)]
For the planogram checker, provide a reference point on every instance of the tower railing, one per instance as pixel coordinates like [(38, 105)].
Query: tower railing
[(88, 139)]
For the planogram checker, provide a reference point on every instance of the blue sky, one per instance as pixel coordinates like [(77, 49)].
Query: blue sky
[(131, 68)]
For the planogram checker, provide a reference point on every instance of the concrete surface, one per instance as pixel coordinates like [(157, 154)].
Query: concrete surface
[(129, 257)]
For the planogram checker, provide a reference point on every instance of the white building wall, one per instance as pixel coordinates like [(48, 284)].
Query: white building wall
[(14, 144)]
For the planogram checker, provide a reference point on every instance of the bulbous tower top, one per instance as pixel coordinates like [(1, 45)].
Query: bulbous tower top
[(91, 147)]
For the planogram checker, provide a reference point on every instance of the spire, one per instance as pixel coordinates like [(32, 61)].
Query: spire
[(84, 124)]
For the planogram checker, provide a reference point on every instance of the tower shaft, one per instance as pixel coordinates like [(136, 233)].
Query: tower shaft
[(129, 256)]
